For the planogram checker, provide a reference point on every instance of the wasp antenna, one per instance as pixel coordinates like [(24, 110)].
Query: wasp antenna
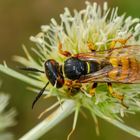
[(39, 94), (30, 69)]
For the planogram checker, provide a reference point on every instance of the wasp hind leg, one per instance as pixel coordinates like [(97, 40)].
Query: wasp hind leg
[(116, 95), (121, 41), (62, 52), (92, 90)]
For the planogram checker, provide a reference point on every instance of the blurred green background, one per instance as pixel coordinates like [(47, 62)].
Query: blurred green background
[(19, 19)]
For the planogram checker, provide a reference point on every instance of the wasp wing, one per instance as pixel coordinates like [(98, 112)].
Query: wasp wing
[(93, 77), (102, 76), (129, 49), (126, 72), (100, 56), (92, 56)]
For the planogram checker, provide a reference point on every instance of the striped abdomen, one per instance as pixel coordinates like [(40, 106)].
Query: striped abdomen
[(125, 69)]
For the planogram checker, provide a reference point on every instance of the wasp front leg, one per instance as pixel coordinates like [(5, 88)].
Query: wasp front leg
[(121, 41), (72, 86), (116, 95), (93, 89), (62, 52), (91, 46)]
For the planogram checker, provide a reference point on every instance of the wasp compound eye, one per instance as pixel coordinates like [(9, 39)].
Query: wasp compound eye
[(54, 73)]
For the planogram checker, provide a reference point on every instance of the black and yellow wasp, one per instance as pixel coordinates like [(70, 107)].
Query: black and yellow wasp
[(115, 65)]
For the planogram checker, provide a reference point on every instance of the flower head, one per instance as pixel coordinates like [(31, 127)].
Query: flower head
[(101, 27)]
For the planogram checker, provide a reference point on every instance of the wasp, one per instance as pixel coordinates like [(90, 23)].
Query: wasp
[(115, 65)]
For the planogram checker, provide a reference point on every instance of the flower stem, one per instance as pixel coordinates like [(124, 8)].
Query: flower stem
[(20, 76), (57, 116)]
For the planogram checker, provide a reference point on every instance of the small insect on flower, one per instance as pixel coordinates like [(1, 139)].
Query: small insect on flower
[(115, 65)]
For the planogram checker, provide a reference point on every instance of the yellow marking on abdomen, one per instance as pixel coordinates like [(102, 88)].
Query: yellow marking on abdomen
[(112, 74), (134, 69), (124, 68)]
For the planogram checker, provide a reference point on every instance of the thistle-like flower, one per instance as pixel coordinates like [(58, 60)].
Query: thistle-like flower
[(7, 118), (94, 26)]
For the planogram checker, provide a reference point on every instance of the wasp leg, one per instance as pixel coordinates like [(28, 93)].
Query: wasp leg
[(91, 46), (68, 83), (122, 41), (93, 88), (62, 52), (73, 86), (116, 95)]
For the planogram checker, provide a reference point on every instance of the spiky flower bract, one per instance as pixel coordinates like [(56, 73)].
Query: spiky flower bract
[(7, 118), (95, 24)]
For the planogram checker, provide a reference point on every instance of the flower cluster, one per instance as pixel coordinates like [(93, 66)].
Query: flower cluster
[(95, 24)]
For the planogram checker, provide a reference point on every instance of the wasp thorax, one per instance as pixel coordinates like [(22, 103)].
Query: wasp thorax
[(74, 68), (54, 73)]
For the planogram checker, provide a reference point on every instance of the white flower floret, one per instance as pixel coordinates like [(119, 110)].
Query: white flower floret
[(7, 118)]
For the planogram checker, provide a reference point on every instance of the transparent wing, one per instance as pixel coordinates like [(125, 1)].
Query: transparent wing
[(126, 72), (97, 76), (130, 51), (98, 56), (102, 76)]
